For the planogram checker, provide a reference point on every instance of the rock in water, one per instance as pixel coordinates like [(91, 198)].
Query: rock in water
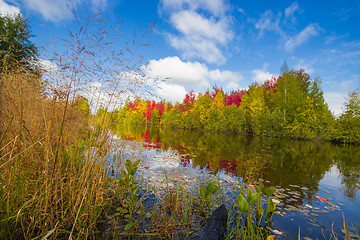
[(216, 227)]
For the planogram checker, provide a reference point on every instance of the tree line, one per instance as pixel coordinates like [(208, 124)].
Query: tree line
[(289, 106)]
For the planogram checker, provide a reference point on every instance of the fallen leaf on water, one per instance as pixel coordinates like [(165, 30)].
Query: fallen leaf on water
[(277, 232), (333, 204), (325, 191), (331, 208), (271, 237), (275, 201), (321, 199)]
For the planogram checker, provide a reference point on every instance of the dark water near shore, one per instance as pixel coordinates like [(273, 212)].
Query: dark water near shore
[(302, 172)]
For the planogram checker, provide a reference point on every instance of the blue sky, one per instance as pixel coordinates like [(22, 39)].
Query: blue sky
[(199, 43)]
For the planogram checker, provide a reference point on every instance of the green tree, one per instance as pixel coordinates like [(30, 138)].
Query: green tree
[(15, 45), (352, 106), (347, 128)]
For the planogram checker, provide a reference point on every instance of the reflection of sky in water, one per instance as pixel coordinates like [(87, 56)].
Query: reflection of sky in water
[(332, 182), (331, 178), (156, 162)]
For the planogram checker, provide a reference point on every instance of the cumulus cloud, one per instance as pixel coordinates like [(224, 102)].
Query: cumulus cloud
[(260, 75), (171, 92), (179, 72), (181, 76), (199, 35), (230, 80), (192, 24), (98, 96), (47, 65), (7, 9), (302, 37)]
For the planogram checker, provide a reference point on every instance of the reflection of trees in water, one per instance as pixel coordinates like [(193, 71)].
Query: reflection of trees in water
[(348, 164), (280, 161)]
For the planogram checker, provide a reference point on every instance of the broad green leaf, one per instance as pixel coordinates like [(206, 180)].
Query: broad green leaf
[(209, 187), (134, 191), (271, 206), (243, 205), (136, 163), (267, 191), (251, 196), (259, 210), (215, 189)]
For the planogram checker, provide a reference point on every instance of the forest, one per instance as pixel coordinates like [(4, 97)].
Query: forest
[(290, 106)]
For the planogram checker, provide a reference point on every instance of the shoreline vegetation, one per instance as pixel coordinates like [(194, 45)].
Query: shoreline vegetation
[(290, 106), (57, 161)]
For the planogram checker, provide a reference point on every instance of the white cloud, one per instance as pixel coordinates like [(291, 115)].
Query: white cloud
[(260, 76), (97, 96), (290, 11), (199, 35), (7, 9), (172, 92), (241, 11), (306, 65), (215, 7), (181, 76), (47, 65), (179, 72), (50, 10), (335, 101), (230, 80), (269, 22), (295, 41), (195, 26), (59, 10), (99, 4), (198, 48)]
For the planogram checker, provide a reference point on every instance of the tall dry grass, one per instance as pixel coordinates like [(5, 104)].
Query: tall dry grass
[(53, 162), (48, 185)]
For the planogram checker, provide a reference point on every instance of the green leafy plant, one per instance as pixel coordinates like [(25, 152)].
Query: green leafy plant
[(210, 189), (252, 206)]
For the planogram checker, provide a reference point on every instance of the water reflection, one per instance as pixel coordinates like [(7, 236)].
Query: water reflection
[(280, 162)]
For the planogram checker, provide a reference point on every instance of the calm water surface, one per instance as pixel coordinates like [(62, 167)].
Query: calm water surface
[(302, 172)]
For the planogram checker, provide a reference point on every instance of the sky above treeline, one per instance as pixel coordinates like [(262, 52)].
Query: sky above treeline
[(200, 43)]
